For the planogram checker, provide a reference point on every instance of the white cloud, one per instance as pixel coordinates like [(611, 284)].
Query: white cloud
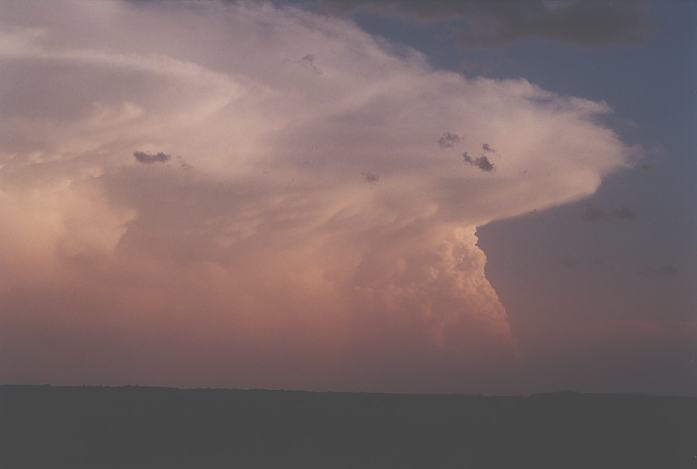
[(260, 234)]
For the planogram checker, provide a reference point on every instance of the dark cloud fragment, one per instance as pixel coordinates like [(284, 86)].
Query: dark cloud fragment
[(370, 178), (487, 147), (449, 140), (484, 164), (151, 158), (481, 162)]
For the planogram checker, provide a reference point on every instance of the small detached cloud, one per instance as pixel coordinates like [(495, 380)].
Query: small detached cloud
[(484, 164), (449, 140), (481, 162), (151, 158), (487, 147), (370, 178)]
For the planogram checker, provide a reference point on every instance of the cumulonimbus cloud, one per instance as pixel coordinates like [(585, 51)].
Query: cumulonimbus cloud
[(268, 261)]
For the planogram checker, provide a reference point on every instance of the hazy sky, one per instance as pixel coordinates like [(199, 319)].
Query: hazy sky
[(449, 196)]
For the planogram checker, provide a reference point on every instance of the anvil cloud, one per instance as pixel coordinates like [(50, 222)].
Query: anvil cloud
[(257, 253)]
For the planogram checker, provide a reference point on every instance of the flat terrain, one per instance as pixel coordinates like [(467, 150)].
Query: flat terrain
[(138, 427)]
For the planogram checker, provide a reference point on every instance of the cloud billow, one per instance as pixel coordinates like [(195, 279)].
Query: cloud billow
[(325, 278)]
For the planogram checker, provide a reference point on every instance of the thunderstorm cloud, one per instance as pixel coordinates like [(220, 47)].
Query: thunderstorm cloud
[(252, 252)]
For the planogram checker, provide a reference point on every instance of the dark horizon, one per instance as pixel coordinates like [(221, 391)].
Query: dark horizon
[(551, 392), (136, 427)]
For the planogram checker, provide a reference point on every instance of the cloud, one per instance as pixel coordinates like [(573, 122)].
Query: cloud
[(483, 22), (253, 267), (592, 214), (487, 147), (484, 164), (481, 162), (149, 158), (449, 140), (370, 177)]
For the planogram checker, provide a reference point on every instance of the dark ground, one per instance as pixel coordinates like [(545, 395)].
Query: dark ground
[(137, 427)]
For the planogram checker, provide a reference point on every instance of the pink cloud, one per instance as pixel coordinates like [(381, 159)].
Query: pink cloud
[(265, 259)]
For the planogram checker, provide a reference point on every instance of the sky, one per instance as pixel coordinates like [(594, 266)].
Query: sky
[(402, 196)]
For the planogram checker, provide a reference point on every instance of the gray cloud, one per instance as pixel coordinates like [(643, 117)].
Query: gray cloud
[(449, 140), (481, 162), (494, 22), (484, 164), (487, 147), (150, 158), (370, 177)]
